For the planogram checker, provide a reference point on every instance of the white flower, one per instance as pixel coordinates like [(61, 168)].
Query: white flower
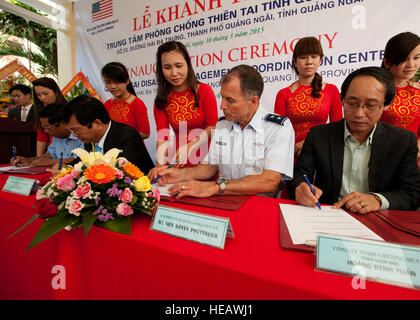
[(69, 200), (78, 166), (62, 204), (94, 196), (47, 186), (90, 158), (50, 192), (82, 180)]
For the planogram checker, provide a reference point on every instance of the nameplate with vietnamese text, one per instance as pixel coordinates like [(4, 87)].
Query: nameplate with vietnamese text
[(203, 228), (22, 186), (374, 260)]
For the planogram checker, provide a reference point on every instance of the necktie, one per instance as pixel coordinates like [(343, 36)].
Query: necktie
[(98, 148), (23, 114)]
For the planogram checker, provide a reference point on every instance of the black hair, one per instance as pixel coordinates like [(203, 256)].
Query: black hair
[(50, 84), (118, 73), (399, 47), (22, 88), (164, 87), (53, 112), (307, 46), (86, 110), (38, 104), (382, 75), (252, 83)]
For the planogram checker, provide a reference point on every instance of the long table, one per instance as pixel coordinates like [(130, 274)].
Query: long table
[(152, 265)]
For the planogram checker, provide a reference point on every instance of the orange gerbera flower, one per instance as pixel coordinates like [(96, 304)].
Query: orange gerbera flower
[(100, 173), (133, 171)]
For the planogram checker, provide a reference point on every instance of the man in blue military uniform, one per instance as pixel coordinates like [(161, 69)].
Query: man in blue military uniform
[(251, 149)]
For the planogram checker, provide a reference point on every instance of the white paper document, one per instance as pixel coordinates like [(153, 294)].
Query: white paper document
[(11, 167), (304, 223), (163, 189)]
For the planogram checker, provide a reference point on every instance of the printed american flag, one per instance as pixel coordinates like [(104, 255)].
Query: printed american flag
[(101, 10)]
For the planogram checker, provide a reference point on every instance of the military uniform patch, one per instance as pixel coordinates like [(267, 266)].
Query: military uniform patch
[(276, 118)]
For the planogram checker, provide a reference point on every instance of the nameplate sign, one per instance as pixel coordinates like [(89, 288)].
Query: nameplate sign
[(206, 229), (18, 185), (374, 260)]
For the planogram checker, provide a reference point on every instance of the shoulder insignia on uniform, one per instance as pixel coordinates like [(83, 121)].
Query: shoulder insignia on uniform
[(221, 118), (276, 118)]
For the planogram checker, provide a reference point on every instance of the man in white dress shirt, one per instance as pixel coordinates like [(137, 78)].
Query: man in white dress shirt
[(251, 149)]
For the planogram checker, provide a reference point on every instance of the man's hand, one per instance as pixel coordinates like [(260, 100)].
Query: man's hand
[(194, 188), (153, 173), (305, 197), (170, 175), (20, 161), (358, 202), (54, 170), (39, 162)]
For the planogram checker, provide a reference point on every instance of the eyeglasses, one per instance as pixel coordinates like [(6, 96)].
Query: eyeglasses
[(77, 130), (370, 107), (49, 127)]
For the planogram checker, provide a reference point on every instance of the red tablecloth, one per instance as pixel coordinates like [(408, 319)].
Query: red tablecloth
[(152, 265)]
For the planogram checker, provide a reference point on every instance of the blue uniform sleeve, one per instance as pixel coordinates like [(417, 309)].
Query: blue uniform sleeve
[(52, 148)]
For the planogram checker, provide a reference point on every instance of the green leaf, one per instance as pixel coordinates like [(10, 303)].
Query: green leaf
[(43, 37), (51, 227), (134, 200), (77, 224), (24, 226), (122, 225), (88, 220), (51, 43)]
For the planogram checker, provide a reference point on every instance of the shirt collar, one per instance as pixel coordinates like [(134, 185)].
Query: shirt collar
[(102, 141), (71, 136), (348, 135), (256, 122)]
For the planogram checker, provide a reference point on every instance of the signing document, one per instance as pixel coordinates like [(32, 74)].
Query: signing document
[(304, 223)]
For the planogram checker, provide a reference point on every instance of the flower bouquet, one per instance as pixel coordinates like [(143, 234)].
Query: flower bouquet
[(100, 190)]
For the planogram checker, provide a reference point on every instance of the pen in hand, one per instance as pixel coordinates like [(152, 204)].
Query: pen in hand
[(60, 165), (14, 154), (312, 190), (158, 177)]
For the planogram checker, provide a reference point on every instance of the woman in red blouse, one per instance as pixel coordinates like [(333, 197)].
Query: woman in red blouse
[(308, 101), (125, 106), (46, 91), (183, 103), (402, 58)]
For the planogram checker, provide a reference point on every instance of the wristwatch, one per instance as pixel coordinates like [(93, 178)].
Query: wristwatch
[(222, 182)]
